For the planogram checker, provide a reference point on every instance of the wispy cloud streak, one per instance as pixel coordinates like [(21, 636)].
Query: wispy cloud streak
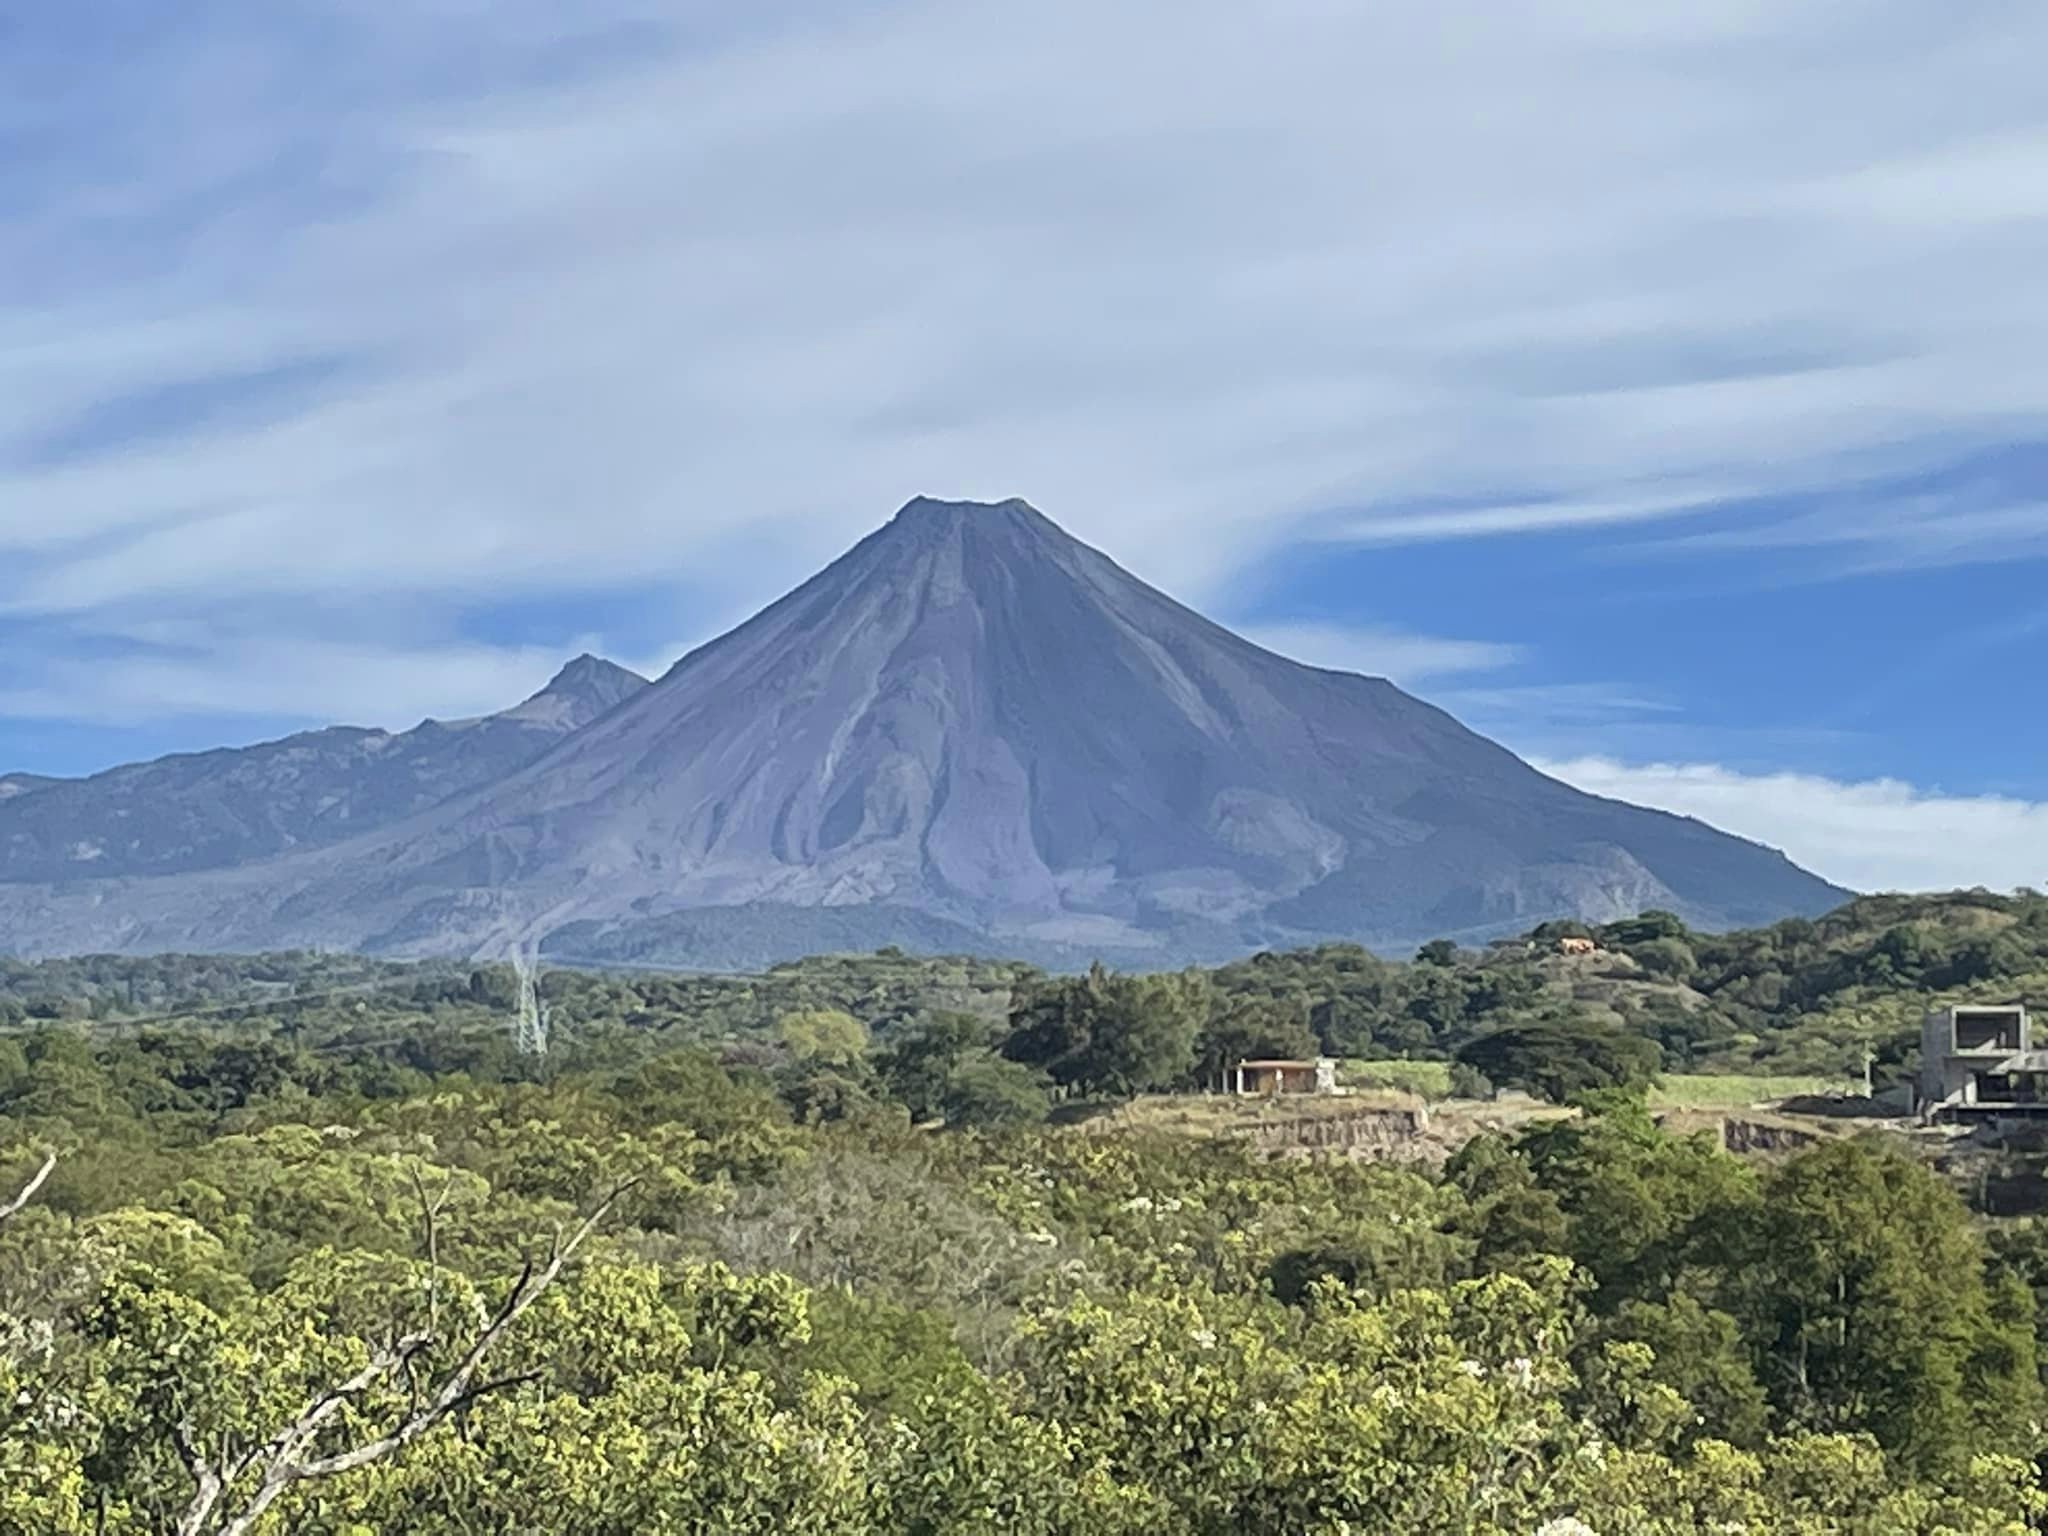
[(303, 302)]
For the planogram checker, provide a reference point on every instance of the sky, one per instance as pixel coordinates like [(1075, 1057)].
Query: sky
[(1663, 390)]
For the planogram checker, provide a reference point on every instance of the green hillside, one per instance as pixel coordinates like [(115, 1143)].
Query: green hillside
[(297, 1245), (251, 1288), (1804, 998)]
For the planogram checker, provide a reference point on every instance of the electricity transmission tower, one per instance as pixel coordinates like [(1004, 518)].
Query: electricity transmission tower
[(530, 1026)]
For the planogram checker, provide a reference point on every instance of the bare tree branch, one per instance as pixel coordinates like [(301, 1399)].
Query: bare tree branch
[(208, 1482), (286, 1456), (28, 1190), (430, 1210)]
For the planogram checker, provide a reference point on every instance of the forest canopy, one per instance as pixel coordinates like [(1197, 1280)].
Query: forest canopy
[(753, 1318), (1800, 997), (301, 1244)]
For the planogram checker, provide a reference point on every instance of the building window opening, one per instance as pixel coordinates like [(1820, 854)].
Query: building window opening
[(1987, 1031)]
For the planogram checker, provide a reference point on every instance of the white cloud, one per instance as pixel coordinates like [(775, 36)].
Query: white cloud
[(1199, 281), (1403, 657), (1530, 716), (1525, 516), (1918, 531), (311, 680), (1876, 835)]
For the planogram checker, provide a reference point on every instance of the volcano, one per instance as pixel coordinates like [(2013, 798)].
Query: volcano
[(973, 732)]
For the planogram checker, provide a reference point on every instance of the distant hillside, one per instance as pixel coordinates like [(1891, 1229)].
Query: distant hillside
[(14, 785), (208, 810), (1802, 995), (758, 937), (1797, 997), (116, 988), (344, 999)]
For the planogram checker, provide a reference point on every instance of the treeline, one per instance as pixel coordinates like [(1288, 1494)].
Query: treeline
[(260, 1278), (1802, 996), (318, 996), (113, 987), (1063, 1045)]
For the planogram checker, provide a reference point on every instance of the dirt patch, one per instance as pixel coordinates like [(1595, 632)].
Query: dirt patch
[(1426, 1136), (1388, 1131), (1750, 1133), (1746, 1136), (1381, 1127)]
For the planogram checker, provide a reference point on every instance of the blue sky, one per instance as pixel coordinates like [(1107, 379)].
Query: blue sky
[(1664, 394)]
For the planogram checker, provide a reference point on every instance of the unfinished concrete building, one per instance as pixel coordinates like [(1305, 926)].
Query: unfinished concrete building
[(1979, 1061)]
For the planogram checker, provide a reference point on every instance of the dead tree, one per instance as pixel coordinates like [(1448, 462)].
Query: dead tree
[(288, 1458), (28, 1190)]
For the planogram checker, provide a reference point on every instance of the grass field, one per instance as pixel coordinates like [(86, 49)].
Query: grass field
[(1732, 1090), (1427, 1079), (1205, 1114), (1215, 1114)]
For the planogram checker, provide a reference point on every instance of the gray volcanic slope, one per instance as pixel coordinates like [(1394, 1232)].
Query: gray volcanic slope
[(206, 810), (971, 731)]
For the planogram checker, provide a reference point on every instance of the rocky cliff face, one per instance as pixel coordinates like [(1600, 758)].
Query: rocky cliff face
[(973, 724)]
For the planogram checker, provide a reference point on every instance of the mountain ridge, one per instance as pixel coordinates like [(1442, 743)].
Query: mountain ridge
[(190, 811), (13, 785), (975, 718)]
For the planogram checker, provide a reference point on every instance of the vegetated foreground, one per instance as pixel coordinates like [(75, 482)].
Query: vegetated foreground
[(332, 1260)]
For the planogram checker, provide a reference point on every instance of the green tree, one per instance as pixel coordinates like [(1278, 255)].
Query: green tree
[(823, 1035), (1560, 1057), (1507, 1216), (1701, 1354), (1643, 1209), (987, 1091), (1666, 959), (945, 1070), (1645, 928), (1105, 1033), (918, 1067), (1871, 1295)]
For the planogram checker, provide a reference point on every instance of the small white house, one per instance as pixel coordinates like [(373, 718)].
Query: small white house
[(1269, 1079)]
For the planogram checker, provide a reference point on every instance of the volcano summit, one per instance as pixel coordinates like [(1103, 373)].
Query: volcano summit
[(970, 731)]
